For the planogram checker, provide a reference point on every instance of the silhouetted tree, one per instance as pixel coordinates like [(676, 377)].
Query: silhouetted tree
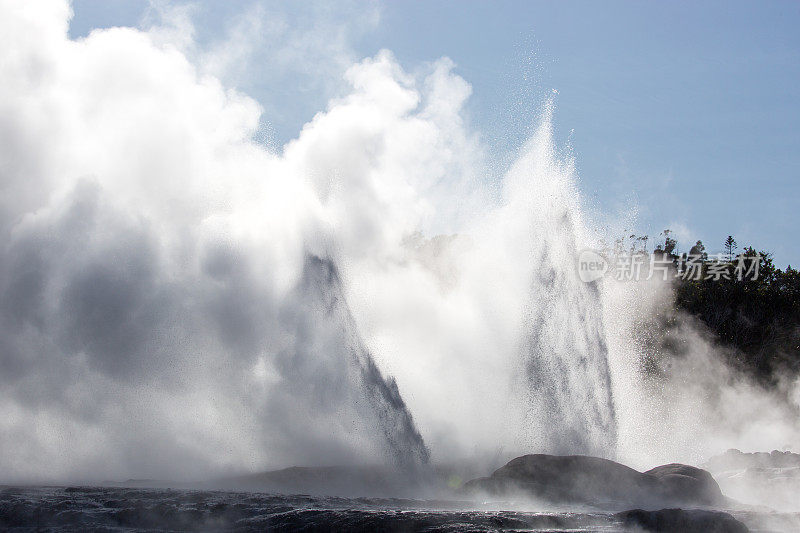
[(730, 247), (669, 243), (698, 252), (759, 315)]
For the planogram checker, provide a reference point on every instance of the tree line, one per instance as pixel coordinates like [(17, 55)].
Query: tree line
[(758, 315)]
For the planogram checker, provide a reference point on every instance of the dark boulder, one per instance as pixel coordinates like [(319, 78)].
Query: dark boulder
[(683, 520), (689, 483), (600, 482)]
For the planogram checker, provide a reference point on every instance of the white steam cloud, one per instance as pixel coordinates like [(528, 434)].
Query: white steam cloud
[(159, 318)]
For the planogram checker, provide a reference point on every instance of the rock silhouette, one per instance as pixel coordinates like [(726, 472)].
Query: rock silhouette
[(600, 482), (685, 521)]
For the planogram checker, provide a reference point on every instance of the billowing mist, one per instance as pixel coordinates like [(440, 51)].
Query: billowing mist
[(180, 301)]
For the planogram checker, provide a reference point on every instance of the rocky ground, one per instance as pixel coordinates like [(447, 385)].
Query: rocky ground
[(600, 483), (530, 493), (757, 478)]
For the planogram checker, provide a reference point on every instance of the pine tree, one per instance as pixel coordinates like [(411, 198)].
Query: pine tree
[(730, 247)]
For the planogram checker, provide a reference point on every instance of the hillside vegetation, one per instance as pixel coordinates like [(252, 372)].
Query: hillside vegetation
[(758, 315)]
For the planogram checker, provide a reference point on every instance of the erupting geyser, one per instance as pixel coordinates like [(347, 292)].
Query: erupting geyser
[(327, 340), (565, 355), (180, 301)]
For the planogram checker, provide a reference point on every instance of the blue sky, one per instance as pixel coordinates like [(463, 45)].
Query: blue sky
[(689, 110)]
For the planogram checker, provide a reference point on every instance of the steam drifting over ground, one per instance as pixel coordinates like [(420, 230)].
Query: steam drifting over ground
[(181, 301)]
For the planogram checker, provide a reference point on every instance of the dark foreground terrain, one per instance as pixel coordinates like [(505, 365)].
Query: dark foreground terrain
[(121, 509), (530, 493), (72, 509)]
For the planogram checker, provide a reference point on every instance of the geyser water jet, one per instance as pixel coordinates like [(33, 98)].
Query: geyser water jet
[(327, 339), (179, 301)]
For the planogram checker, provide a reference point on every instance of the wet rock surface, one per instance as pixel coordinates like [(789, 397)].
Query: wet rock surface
[(580, 479), (685, 521), (120, 509)]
